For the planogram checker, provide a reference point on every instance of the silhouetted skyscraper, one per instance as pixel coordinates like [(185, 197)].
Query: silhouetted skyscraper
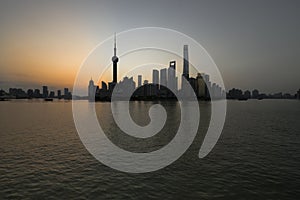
[(37, 93), (45, 91), (255, 94), (186, 62), (172, 78), (30, 93), (66, 91), (163, 83), (139, 80), (155, 77), (59, 94), (92, 91), (163, 77), (185, 72), (247, 94), (200, 86), (52, 94), (213, 90), (155, 81), (115, 61), (103, 85), (207, 85), (67, 94), (171, 75), (185, 78)]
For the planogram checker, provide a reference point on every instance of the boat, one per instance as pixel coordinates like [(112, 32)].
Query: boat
[(48, 99), (243, 99)]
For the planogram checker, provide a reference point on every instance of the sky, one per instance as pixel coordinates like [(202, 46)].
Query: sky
[(255, 44)]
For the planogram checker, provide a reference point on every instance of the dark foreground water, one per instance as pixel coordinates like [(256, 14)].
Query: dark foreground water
[(257, 156)]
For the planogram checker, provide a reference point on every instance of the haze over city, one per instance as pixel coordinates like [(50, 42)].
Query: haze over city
[(255, 44)]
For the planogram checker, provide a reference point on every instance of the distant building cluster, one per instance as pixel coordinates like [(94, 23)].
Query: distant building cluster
[(145, 90), (164, 84), (18, 93), (255, 94)]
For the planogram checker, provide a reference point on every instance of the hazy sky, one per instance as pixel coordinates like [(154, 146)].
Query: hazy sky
[(255, 44)]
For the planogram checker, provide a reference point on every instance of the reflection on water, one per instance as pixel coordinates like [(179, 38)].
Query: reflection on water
[(257, 156)]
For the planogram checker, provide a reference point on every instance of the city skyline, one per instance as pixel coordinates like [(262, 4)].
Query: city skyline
[(45, 42), (164, 83)]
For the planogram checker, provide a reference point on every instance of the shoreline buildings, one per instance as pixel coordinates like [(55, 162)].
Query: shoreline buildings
[(18, 93), (164, 84)]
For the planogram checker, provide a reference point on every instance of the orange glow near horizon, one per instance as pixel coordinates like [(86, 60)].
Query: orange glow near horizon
[(44, 48), (53, 64)]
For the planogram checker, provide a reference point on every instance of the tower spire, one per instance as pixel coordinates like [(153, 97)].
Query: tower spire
[(115, 45)]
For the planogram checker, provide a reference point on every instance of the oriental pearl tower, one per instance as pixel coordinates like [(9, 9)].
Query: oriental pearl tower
[(115, 61)]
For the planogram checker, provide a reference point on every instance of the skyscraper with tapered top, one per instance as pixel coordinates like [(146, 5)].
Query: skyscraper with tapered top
[(185, 79), (186, 62), (185, 72)]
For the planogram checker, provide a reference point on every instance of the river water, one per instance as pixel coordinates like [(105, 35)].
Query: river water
[(256, 157)]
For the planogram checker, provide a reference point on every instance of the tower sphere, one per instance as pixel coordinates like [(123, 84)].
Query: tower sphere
[(115, 59)]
